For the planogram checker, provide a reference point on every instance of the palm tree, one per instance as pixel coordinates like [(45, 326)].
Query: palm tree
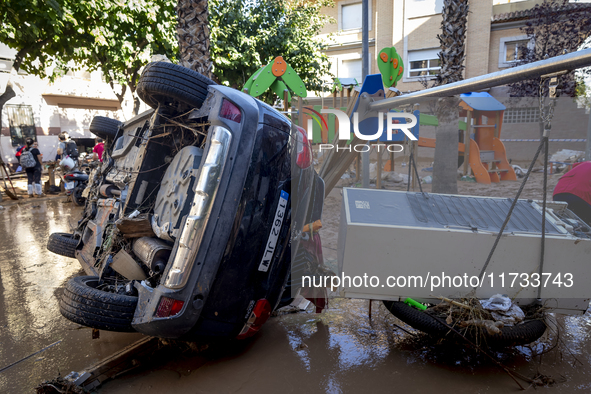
[(193, 35), (452, 40)]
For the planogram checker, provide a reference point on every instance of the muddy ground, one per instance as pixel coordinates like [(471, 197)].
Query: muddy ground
[(339, 351)]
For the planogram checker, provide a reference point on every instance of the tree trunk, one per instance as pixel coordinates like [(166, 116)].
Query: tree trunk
[(193, 35), (452, 40), (445, 166)]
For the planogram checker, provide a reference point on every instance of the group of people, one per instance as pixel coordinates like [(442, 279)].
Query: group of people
[(34, 168)]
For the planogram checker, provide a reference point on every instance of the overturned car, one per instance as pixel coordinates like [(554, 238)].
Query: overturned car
[(191, 221)]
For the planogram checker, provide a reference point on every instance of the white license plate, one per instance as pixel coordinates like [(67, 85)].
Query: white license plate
[(69, 185), (274, 235)]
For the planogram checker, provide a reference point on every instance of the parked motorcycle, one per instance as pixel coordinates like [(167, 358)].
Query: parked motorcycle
[(75, 181)]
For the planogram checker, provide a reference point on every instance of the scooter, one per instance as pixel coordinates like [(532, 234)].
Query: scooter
[(75, 181)]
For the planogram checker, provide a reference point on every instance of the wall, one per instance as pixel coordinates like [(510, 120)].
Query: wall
[(478, 35)]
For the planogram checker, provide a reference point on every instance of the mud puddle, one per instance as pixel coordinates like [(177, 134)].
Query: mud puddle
[(31, 278), (343, 351)]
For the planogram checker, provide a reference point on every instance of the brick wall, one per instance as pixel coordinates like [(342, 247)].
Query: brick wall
[(477, 38)]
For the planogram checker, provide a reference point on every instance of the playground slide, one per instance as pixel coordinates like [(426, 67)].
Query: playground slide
[(485, 172)]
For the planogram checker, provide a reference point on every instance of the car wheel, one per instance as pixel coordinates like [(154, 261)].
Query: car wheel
[(519, 334), (83, 303), (103, 127), (77, 198), (170, 84), (63, 244)]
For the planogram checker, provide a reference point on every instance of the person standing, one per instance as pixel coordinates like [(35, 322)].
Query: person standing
[(574, 188), (98, 150), (61, 148), (34, 172), (19, 152)]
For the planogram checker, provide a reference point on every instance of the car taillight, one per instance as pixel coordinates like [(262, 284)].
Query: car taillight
[(230, 111), (259, 315), (304, 152), (169, 307)]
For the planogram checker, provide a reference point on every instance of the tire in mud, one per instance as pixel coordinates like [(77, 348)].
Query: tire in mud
[(520, 334), (103, 127), (63, 244), (417, 319), (84, 304), (167, 83)]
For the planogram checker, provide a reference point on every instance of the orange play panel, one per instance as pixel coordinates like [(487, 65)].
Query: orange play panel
[(279, 66)]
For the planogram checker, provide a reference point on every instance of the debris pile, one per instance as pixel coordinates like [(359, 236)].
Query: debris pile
[(484, 319)]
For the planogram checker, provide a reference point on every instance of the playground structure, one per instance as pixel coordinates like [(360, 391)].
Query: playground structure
[(277, 76), (339, 161), (485, 153)]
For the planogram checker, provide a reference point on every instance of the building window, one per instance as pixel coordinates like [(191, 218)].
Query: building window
[(350, 15), (421, 8), (514, 49), (521, 115), (423, 63), (5, 65), (351, 68), (511, 48), (22, 125)]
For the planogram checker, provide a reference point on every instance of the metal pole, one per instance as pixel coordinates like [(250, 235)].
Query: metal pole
[(588, 147), (467, 139), (364, 72), (570, 61)]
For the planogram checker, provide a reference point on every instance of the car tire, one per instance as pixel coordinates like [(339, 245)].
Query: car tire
[(84, 304), (77, 198), (63, 244), (105, 128), (417, 319), (170, 84), (519, 334)]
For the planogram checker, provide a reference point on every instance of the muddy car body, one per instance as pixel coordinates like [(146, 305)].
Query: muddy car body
[(210, 186)]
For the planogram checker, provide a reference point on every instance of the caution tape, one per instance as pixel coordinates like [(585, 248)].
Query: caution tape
[(551, 140)]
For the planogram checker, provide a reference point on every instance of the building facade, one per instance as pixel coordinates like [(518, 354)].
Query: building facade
[(42, 110)]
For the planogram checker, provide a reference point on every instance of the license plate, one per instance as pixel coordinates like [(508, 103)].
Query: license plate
[(69, 185), (274, 234)]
